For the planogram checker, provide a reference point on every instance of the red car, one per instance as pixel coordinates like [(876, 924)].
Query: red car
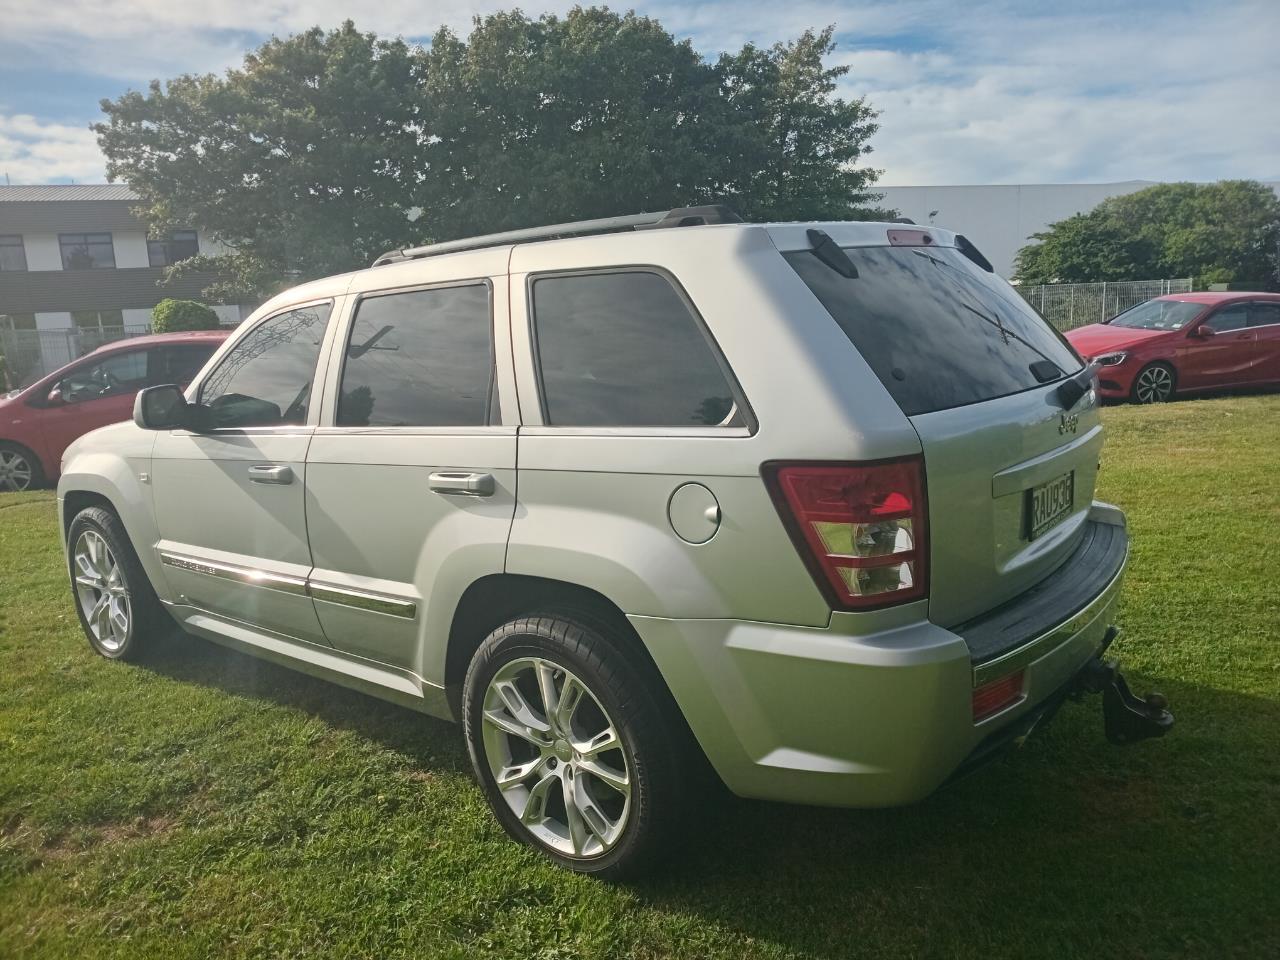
[(39, 422), (1183, 343)]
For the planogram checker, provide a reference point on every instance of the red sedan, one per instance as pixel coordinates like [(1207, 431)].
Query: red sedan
[(1184, 343), (39, 422)]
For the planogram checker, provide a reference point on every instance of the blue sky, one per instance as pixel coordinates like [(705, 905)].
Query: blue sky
[(969, 92)]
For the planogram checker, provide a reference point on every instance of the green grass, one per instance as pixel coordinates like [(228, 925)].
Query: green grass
[(206, 804)]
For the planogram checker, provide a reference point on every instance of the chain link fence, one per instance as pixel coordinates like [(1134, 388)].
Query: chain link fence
[(1071, 305), (30, 354)]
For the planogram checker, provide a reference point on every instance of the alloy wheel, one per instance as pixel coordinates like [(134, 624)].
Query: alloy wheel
[(16, 472), (556, 757), (1155, 384), (101, 591)]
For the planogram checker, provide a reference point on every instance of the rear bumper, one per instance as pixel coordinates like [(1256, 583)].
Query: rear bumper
[(846, 717)]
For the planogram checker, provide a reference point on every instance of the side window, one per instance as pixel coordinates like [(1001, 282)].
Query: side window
[(624, 349), (119, 373), (178, 364), (265, 379), (1229, 318), (1264, 314), (419, 359)]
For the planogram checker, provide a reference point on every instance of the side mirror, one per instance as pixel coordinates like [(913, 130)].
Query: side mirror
[(55, 397), (1203, 332), (160, 408)]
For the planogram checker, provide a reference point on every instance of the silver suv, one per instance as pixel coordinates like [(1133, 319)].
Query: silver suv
[(806, 506)]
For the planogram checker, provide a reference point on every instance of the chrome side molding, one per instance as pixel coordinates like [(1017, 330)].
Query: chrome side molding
[(325, 593)]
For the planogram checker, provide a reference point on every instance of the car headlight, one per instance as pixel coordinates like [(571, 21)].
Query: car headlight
[(1111, 359)]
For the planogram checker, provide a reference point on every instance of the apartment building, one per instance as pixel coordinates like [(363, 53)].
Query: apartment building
[(77, 268)]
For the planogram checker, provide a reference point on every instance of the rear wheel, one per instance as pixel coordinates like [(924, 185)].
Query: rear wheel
[(118, 610), (19, 468), (571, 746), (1154, 383)]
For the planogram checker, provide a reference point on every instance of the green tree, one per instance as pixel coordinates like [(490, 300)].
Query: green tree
[(171, 316), (304, 160), (1216, 232), (327, 149)]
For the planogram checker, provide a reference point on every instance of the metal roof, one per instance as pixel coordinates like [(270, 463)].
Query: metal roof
[(63, 192)]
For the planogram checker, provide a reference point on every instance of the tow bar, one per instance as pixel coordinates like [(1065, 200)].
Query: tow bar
[(1126, 719)]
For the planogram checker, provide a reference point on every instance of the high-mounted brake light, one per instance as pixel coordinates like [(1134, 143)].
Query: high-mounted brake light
[(861, 527)]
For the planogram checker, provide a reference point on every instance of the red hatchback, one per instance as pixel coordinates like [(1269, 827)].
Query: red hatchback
[(39, 422), (1185, 342)]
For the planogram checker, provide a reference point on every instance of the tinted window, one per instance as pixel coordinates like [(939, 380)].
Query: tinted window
[(13, 256), (1229, 318), (938, 331), (624, 349), (1264, 314), (86, 251), (265, 379), (180, 245), (419, 359), (118, 373), (179, 364)]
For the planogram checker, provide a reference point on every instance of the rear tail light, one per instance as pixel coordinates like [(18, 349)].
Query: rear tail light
[(860, 527), (990, 698)]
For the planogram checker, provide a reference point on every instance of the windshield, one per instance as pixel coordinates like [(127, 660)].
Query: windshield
[(1158, 315), (938, 331)]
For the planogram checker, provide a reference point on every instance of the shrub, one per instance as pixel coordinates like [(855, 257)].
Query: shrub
[(171, 316)]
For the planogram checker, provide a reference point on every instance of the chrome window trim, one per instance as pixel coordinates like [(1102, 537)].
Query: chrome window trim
[(298, 586)]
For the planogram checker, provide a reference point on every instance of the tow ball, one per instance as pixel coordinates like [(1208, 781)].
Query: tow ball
[(1126, 718)]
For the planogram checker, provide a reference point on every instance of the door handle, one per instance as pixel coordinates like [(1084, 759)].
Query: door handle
[(462, 484), (270, 473)]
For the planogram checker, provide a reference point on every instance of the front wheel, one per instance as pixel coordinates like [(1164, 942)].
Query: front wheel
[(571, 745), (1154, 383), (19, 469)]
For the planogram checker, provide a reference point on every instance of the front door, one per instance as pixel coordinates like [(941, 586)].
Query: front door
[(229, 501), (411, 480), (1223, 359), (92, 395)]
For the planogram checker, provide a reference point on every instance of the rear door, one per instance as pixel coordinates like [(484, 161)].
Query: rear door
[(1009, 473), (1223, 359), (411, 479), (1264, 322)]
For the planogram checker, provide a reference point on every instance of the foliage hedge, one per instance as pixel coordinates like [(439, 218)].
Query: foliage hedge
[(172, 316)]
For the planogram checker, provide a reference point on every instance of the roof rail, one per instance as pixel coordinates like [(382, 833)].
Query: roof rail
[(678, 217)]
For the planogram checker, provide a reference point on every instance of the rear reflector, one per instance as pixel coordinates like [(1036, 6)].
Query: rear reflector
[(990, 698), (861, 527)]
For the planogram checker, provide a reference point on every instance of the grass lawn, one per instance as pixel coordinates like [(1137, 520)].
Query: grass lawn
[(207, 804)]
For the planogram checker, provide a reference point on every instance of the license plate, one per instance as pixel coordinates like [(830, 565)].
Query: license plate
[(1048, 503)]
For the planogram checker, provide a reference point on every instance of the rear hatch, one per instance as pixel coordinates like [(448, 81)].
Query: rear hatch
[(1009, 472)]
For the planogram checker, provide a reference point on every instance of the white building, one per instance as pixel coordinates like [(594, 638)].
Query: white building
[(1001, 219)]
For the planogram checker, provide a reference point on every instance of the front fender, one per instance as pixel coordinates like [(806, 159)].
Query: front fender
[(112, 463)]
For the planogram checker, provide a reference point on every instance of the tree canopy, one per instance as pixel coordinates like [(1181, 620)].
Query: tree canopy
[(326, 149), (1215, 232)]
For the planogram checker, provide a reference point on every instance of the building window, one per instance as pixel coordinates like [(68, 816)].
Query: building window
[(97, 319), (86, 251), (13, 256), (180, 245), (17, 321)]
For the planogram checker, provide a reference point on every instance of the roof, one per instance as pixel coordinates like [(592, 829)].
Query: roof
[(152, 339), (1217, 296), (63, 192)]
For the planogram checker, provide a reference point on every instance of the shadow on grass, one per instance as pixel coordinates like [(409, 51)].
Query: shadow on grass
[(1069, 846)]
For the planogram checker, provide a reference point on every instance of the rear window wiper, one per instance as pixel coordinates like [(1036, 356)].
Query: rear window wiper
[(831, 253)]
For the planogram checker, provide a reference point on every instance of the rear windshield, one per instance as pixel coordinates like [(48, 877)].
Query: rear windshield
[(938, 331)]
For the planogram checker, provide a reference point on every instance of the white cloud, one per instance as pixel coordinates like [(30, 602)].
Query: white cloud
[(969, 93), (32, 151)]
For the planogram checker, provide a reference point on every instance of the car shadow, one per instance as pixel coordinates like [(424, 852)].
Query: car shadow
[(1067, 845)]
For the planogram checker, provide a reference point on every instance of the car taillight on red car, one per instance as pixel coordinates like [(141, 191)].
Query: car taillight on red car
[(861, 527)]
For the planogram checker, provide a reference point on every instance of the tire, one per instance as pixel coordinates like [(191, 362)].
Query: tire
[(19, 468), (1155, 383), (627, 798), (104, 569)]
